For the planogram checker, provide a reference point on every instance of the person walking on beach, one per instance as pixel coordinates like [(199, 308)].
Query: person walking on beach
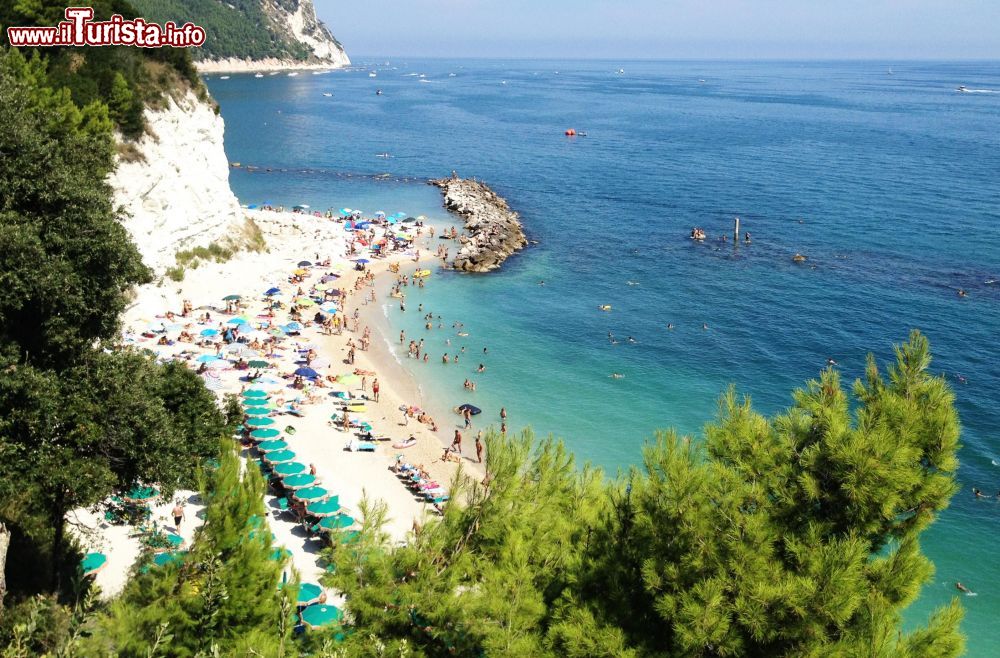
[(178, 514), (364, 384), (468, 418), (479, 446), (456, 444), (375, 389)]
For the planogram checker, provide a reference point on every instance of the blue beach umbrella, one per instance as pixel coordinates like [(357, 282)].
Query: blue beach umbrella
[(238, 321), (209, 332), (294, 326), (257, 412), (266, 433), (306, 372), (362, 260), (207, 358)]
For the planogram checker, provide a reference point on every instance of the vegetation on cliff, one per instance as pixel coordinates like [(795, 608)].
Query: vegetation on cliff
[(126, 80), (236, 28)]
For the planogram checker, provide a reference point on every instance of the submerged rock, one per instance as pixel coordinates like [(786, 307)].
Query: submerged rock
[(494, 229)]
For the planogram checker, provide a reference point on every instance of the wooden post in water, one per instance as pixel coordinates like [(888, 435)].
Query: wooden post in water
[(736, 231)]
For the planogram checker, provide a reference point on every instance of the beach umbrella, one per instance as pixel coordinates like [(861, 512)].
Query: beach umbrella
[(294, 326), (304, 263), (139, 494), (362, 260), (207, 358), (256, 363), (256, 412), (93, 562), (380, 214), (298, 481), (272, 445), (309, 593), (280, 553), (338, 522), (320, 614), (304, 301), (236, 322), (346, 212), (209, 332), (306, 372), (254, 393), (324, 508), (289, 468), (329, 277), (279, 456), (312, 493), (272, 291), (259, 422), (266, 433), (163, 559), (231, 298), (328, 308)]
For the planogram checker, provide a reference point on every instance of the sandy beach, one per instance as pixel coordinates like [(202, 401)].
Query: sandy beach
[(311, 434)]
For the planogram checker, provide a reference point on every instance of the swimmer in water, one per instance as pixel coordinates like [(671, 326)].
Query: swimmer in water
[(670, 325), (704, 325), (962, 293), (962, 588), (961, 378), (541, 283), (977, 493), (631, 340), (831, 362), (617, 375)]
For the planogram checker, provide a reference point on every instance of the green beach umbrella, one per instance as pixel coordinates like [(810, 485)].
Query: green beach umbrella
[(231, 298), (257, 412), (289, 468), (279, 553), (298, 481), (141, 494), (324, 508), (312, 493), (163, 559), (266, 433), (338, 522), (279, 456), (259, 422), (272, 445), (93, 562), (350, 537), (259, 364), (309, 593), (320, 614), (255, 393), (258, 407)]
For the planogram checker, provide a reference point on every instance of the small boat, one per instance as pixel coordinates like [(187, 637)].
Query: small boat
[(372, 74), (224, 77), (327, 94), (293, 74), (605, 307), (378, 92), (383, 155), (258, 75), (274, 72), (451, 75), (962, 89), (621, 71)]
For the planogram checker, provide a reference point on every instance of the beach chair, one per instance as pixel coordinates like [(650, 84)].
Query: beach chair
[(282, 506)]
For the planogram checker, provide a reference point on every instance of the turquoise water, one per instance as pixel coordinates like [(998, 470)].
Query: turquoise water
[(889, 184)]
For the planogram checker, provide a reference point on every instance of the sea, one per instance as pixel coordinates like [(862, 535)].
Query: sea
[(884, 175)]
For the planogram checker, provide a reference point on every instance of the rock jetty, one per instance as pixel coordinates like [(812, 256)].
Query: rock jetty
[(494, 229)]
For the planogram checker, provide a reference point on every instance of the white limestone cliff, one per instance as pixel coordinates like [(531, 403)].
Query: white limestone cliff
[(176, 192)]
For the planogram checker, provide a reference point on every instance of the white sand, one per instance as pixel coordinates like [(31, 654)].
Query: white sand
[(351, 475)]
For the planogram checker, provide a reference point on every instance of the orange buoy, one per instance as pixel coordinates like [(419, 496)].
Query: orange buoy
[(570, 132)]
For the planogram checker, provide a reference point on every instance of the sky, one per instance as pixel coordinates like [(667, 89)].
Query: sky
[(667, 29)]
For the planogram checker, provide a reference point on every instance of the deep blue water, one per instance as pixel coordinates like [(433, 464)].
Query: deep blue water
[(888, 183)]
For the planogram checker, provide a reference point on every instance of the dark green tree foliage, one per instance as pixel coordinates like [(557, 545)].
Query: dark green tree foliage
[(236, 28), (65, 259), (96, 74), (796, 535), (224, 595)]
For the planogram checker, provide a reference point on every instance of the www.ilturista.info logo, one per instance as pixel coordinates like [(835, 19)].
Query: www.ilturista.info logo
[(79, 30)]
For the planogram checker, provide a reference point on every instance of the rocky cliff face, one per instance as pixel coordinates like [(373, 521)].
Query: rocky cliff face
[(174, 185), (300, 18)]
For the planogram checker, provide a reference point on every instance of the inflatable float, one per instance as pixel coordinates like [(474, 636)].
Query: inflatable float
[(475, 411), (605, 307), (422, 273), (402, 445)]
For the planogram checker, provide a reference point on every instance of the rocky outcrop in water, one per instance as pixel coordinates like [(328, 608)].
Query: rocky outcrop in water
[(494, 229)]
